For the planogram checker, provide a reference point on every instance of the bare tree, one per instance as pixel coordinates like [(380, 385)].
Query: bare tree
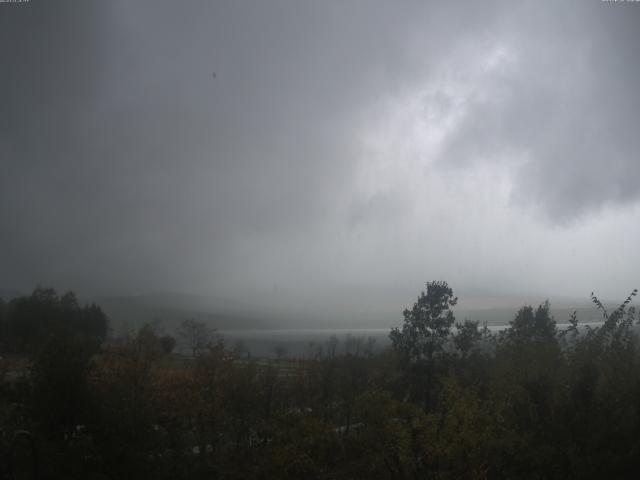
[(195, 335)]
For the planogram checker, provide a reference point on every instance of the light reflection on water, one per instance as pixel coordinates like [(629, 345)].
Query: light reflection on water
[(294, 341)]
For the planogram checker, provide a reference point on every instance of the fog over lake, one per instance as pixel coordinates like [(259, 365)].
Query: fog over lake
[(300, 342)]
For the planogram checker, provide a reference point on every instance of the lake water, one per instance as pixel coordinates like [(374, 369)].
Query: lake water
[(298, 341)]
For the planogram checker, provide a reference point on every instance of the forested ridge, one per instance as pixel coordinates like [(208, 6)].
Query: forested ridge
[(447, 400)]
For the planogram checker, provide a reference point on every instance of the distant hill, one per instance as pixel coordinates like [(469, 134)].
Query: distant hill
[(501, 309), (167, 310)]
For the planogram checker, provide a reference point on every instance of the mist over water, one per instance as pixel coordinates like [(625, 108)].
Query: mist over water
[(301, 342)]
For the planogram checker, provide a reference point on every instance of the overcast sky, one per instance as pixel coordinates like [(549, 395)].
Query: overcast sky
[(344, 152)]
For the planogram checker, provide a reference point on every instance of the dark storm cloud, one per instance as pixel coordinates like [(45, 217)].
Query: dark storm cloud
[(568, 105), (127, 165), (127, 161), (51, 74)]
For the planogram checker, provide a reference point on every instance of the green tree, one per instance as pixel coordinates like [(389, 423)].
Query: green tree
[(427, 325), (467, 336), (425, 332), (33, 319), (532, 326)]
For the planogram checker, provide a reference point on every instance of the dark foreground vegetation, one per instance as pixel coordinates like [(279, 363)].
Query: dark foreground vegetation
[(445, 401)]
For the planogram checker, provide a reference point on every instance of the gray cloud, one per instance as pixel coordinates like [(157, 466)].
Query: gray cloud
[(340, 146), (566, 102)]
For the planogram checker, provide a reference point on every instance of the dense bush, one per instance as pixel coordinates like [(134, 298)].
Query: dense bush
[(443, 402)]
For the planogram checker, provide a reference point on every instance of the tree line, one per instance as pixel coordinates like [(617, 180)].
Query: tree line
[(28, 322), (446, 400)]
